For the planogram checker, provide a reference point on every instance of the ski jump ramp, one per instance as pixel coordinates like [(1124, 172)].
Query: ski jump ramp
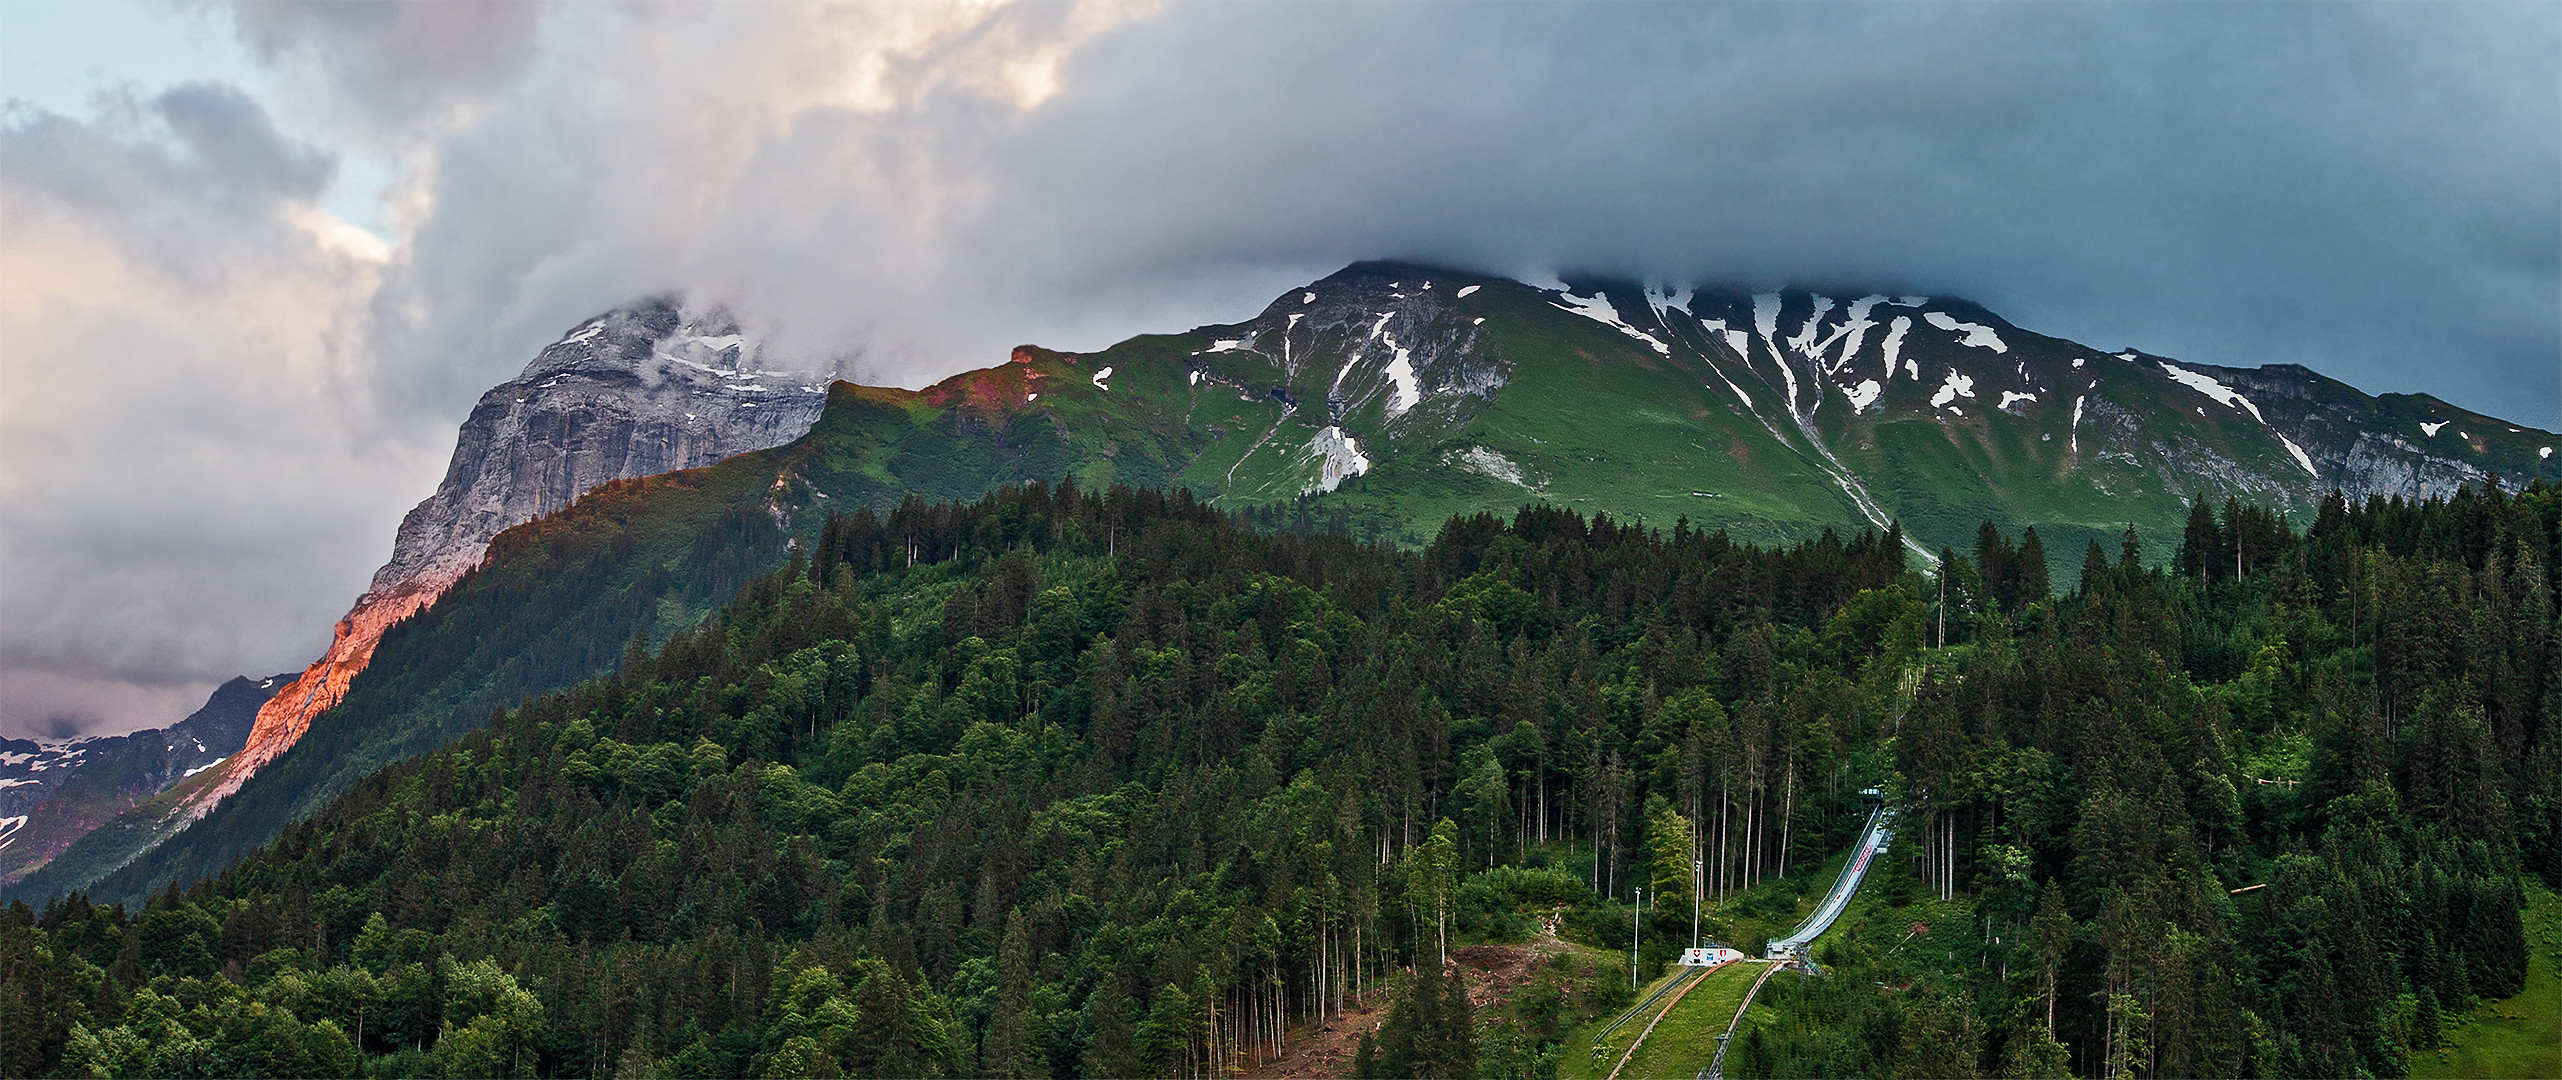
[(1872, 843)]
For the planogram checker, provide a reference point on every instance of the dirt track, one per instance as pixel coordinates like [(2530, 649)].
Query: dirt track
[(1493, 972)]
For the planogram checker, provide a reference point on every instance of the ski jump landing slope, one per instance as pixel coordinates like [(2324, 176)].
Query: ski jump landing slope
[(1872, 843)]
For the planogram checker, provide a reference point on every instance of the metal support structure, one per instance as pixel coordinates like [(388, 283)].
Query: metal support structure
[(1696, 874), (1635, 914)]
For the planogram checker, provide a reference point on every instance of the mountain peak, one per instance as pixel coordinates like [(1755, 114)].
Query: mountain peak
[(643, 389)]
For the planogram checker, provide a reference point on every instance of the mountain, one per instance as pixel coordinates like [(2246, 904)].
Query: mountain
[(53, 793), (1382, 400), (641, 390), (1773, 414)]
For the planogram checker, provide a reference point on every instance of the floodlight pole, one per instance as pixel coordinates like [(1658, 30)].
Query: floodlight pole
[(1695, 874), (1634, 933)]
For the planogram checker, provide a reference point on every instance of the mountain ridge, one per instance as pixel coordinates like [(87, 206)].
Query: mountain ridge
[(1394, 397), (643, 389), (51, 794)]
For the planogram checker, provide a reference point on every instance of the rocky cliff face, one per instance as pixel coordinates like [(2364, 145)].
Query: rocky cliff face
[(638, 391), (2411, 445)]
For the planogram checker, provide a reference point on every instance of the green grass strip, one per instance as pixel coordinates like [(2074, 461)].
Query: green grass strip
[(2513, 1037)]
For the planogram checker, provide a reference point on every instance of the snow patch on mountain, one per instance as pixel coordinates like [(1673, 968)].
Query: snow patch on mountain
[(1378, 331), (2301, 458), (1864, 395), (1598, 309), (2431, 430), (1463, 293), (1738, 341), (2013, 397), (1099, 376), (2207, 385), (1852, 333), (1339, 458), (2231, 398), (1765, 320), (1804, 341), (1894, 347), (1978, 335), (1406, 389), (1954, 387), (1765, 315)]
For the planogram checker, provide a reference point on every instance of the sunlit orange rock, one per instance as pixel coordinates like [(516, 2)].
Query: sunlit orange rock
[(639, 391), (282, 721)]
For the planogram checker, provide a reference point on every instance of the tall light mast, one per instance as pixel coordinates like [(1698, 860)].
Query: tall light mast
[(1696, 871), (1634, 933)]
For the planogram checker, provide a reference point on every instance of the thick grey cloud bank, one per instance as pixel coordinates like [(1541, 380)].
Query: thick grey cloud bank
[(2374, 191)]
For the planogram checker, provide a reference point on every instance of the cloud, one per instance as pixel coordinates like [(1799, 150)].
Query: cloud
[(181, 180), (49, 705), (2367, 189), (192, 466), (2229, 184), (397, 65)]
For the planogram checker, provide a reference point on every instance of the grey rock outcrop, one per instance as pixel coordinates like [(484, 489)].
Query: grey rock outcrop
[(638, 391), (2410, 445)]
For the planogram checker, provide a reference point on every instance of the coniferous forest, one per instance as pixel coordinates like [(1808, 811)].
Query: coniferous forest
[(1069, 783)]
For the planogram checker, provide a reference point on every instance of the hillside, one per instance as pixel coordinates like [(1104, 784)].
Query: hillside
[(1069, 782), (641, 390), (1379, 401)]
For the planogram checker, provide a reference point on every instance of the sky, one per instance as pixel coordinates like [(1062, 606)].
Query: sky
[(258, 258)]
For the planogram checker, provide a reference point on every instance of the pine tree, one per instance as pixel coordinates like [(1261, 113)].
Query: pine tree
[(1011, 1052), (2033, 575), (1110, 1049)]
